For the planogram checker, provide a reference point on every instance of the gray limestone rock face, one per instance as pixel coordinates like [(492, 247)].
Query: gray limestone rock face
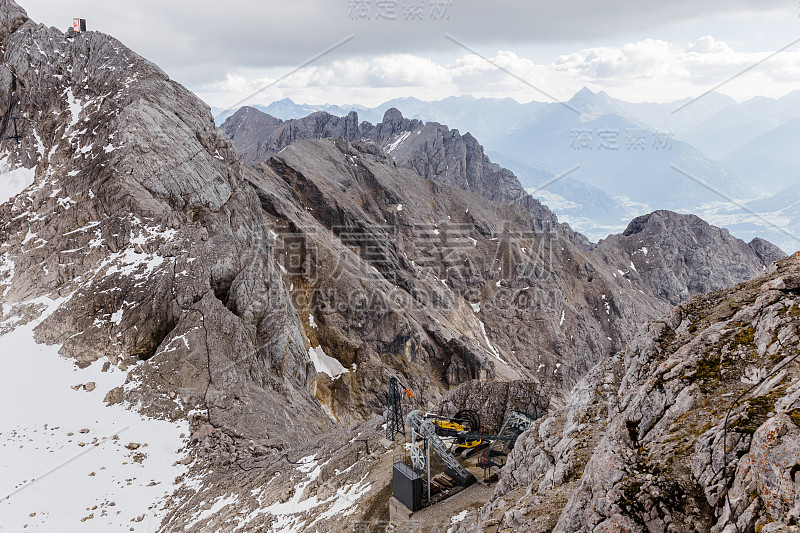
[(695, 429), (394, 274), (689, 256), (766, 251), (140, 220), (12, 16), (680, 256), (575, 305), (431, 150)]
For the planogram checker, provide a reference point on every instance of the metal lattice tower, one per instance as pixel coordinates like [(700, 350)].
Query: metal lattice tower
[(12, 99), (16, 135), (395, 422)]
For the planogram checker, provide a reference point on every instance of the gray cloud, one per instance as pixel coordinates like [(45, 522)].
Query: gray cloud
[(200, 41)]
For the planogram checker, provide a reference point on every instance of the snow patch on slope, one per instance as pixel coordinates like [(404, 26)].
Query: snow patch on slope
[(292, 515), (397, 142), (494, 351), (66, 459), (75, 108), (14, 181), (324, 363)]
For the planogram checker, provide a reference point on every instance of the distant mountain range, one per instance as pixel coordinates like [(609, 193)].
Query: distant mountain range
[(631, 158)]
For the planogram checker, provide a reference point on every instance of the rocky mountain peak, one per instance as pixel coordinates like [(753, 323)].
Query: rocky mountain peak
[(636, 225), (10, 13), (140, 215), (662, 219), (12, 16), (679, 256), (766, 251), (584, 94), (588, 101), (430, 149), (393, 118)]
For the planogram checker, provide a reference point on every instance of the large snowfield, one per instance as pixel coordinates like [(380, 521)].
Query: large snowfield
[(68, 462)]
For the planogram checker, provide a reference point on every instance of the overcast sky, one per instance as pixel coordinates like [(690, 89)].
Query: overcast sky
[(639, 50)]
